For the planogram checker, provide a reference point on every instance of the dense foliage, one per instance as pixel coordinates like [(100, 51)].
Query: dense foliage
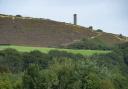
[(91, 44), (62, 70)]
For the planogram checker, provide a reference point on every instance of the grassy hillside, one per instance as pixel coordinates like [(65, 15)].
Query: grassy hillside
[(46, 33), (46, 50)]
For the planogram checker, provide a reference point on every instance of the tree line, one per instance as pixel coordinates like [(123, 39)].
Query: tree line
[(62, 70)]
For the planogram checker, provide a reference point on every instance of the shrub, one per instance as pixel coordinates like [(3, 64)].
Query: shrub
[(11, 59), (121, 36), (99, 30), (18, 16), (63, 54), (35, 57), (31, 78), (91, 44), (5, 84)]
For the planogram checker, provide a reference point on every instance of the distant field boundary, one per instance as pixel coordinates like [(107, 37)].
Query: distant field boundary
[(46, 50)]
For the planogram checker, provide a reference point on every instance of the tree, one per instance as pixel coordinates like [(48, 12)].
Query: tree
[(90, 27)]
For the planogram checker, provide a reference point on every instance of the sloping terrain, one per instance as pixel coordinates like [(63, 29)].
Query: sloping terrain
[(46, 33)]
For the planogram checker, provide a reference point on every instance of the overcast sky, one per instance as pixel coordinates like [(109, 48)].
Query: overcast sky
[(108, 15)]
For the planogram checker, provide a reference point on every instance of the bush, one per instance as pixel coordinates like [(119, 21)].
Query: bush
[(99, 30), (91, 44), (121, 36), (124, 49), (31, 78), (18, 16), (35, 57), (11, 59), (5, 84), (63, 54)]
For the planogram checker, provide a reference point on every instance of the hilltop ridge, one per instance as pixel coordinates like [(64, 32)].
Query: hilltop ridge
[(18, 30)]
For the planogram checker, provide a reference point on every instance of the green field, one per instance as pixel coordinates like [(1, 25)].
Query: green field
[(46, 50)]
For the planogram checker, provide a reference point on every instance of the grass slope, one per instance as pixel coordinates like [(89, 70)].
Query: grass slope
[(46, 50)]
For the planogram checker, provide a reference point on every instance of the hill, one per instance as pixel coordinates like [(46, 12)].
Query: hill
[(41, 32)]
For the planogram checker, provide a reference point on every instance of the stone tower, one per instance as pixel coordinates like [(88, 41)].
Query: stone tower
[(75, 19)]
